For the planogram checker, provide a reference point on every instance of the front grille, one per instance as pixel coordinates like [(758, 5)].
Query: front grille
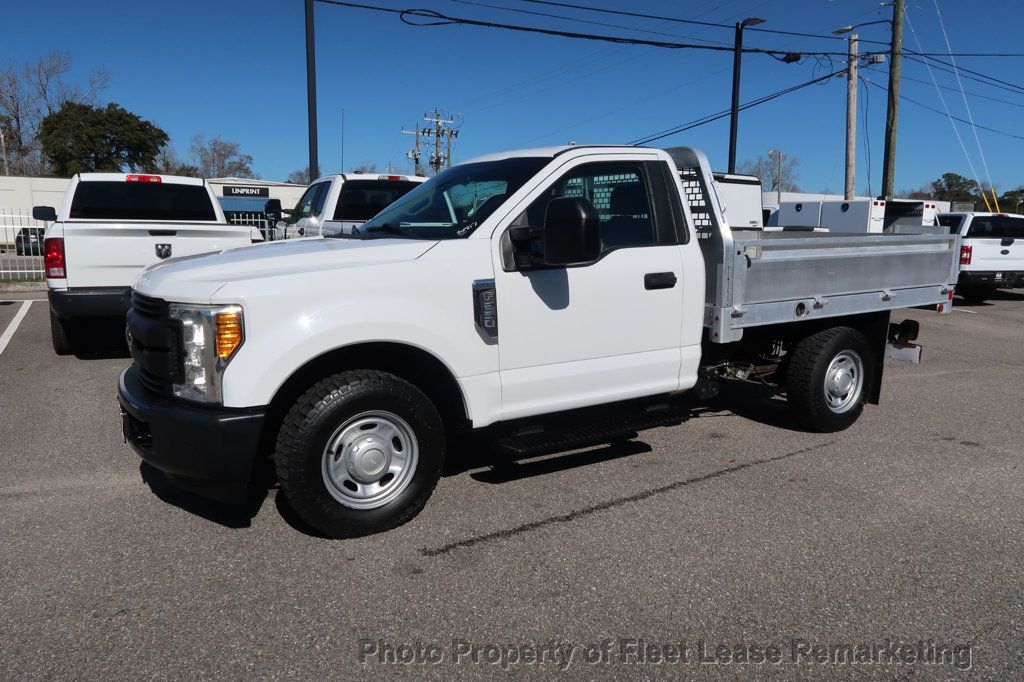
[(154, 340), (147, 306)]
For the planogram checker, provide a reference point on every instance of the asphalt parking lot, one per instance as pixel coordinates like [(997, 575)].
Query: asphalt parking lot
[(732, 529)]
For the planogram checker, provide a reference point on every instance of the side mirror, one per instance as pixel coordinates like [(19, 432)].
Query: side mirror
[(47, 214), (572, 233), (302, 232), (272, 210)]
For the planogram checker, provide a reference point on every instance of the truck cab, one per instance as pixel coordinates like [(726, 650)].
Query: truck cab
[(991, 252), (337, 204)]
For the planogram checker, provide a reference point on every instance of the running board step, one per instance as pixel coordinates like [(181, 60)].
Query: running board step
[(546, 441)]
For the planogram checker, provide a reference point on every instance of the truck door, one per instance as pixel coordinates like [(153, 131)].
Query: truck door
[(309, 210), (577, 336)]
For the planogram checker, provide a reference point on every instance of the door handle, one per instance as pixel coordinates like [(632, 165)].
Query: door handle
[(659, 280)]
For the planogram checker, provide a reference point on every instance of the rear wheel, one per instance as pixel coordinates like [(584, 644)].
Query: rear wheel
[(360, 453), (60, 335), (828, 378), (976, 293)]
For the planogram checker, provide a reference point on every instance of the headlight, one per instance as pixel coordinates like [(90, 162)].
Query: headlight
[(210, 336)]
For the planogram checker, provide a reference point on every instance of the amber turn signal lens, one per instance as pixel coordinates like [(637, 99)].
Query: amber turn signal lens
[(229, 333)]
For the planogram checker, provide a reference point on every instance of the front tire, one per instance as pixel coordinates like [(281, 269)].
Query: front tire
[(828, 379), (360, 453)]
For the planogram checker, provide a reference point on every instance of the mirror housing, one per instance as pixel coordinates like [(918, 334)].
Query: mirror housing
[(272, 210), (572, 234), (47, 214)]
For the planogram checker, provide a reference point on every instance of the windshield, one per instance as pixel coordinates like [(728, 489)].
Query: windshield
[(454, 203)]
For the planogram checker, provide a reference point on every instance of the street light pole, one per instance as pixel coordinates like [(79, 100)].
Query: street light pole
[(737, 59), (314, 165)]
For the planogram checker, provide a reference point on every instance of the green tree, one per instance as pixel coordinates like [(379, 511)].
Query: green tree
[(955, 187), (1012, 200), (79, 138)]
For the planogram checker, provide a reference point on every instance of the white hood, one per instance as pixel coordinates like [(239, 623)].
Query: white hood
[(194, 279)]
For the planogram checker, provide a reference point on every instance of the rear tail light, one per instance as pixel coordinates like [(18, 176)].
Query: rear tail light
[(965, 254), (53, 258), (141, 178)]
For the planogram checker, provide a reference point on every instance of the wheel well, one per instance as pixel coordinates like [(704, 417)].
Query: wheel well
[(415, 365)]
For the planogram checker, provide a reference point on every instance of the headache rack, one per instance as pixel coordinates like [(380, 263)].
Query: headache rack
[(756, 278)]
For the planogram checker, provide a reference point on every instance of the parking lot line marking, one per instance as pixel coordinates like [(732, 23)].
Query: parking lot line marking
[(972, 312), (13, 326)]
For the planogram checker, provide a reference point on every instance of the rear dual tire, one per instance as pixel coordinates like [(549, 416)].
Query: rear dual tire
[(828, 378), (359, 453)]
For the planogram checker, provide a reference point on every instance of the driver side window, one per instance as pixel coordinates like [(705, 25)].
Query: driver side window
[(618, 193)]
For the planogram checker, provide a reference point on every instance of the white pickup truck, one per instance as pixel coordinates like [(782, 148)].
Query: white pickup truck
[(112, 225), (991, 252), (588, 286), (338, 204)]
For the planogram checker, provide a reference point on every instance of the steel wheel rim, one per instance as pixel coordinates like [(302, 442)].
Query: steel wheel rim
[(370, 460), (844, 381)]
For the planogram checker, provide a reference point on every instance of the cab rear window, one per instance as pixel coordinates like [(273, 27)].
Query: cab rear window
[(151, 201), (996, 227), (363, 199), (950, 221)]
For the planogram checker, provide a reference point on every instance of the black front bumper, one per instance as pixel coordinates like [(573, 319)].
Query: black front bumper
[(95, 302), (1006, 279), (208, 450)]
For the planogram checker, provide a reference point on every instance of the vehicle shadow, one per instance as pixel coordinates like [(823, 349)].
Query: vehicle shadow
[(997, 295), (224, 513), (101, 339)]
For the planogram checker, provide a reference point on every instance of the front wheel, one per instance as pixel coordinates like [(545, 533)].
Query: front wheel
[(828, 378), (360, 453)]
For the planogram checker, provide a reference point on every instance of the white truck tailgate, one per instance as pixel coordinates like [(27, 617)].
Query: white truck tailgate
[(107, 254)]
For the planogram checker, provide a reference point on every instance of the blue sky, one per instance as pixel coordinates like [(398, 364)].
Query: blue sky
[(237, 69)]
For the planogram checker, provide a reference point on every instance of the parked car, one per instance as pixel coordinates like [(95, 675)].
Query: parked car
[(110, 226), (337, 204), (29, 241), (991, 252), (542, 299)]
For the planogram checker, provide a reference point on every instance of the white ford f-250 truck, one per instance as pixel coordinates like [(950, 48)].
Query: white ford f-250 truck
[(514, 293), (110, 227)]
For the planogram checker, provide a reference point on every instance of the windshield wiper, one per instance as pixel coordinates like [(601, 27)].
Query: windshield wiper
[(386, 228)]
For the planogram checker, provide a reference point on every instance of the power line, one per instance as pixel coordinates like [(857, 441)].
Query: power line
[(995, 82), (972, 94), (657, 17), (726, 112), (955, 118), (584, 21), (434, 18)]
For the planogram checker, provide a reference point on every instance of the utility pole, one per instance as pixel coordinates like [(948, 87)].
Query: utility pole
[(314, 165), (737, 59), (440, 130), (892, 111), (851, 120)]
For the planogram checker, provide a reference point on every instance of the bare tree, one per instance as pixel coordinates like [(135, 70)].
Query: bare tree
[(299, 177), (220, 158), (366, 167), (28, 94), (767, 169)]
